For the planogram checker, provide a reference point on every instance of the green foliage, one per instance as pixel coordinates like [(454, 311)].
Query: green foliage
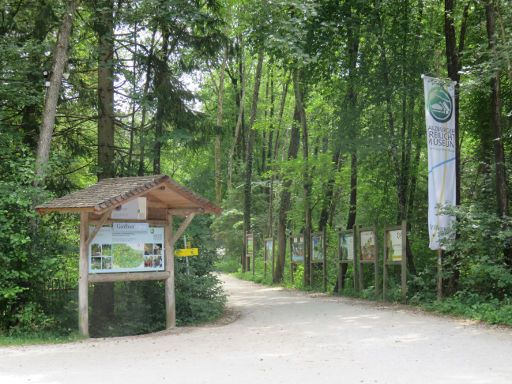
[(31, 248), (479, 248), (475, 307), (32, 320)]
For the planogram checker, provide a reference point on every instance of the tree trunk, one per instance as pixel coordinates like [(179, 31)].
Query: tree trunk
[(103, 297), (495, 123), (250, 155), (105, 30), (454, 66), (52, 96), (240, 100), (161, 80), (284, 204), (499, 152), (307, 183), (328, 200), (142, 141), (218, 135), (134, 104)]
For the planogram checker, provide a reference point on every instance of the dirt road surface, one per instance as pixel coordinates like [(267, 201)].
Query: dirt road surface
[(281, 337)]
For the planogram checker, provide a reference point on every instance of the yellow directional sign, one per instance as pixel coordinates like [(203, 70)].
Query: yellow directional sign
[(186, 252)]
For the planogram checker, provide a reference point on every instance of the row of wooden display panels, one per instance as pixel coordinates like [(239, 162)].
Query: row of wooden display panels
[(350, 252)]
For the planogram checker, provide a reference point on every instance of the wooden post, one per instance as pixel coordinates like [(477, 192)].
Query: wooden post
[(253, 257), (439, 274), (385, 267), (265, 257), (83, 283), (360, 284), (404, 261), (324, 266), (170, 298), (291, 257), (376, 264), (273, 256)]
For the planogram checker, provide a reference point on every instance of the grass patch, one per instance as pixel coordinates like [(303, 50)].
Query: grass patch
[(494, 311), (37, 339)]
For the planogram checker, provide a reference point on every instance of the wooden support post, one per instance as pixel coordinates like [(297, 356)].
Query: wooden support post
[(385, 267), (253, 258), (127, 276), (324, 266), (273, 257), (83, 283), (439, 274), (97, 227), (183, 227), (170, 297), (376, 264), (404, 261), (265, 257), (291, 257)]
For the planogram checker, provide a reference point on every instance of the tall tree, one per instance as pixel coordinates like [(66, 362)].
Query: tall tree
[(298, 85), (250, 153), (103, 297), (52, 95), (104, 26), (495, 123), (285, 200), (218, 134)]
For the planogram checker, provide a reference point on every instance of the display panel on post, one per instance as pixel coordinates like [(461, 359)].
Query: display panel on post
[(249, 251), (368, 254), (318, 257), (127, 247), (395, 253), (346, 256), (269, 255), (132, 236), (296, 252)]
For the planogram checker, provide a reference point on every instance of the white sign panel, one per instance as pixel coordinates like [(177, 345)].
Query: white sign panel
[(440, 119), (119, 249), (133, 210), (394, 242), (347, 246)]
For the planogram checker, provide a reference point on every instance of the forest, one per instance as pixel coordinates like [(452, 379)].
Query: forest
[(294, 116)]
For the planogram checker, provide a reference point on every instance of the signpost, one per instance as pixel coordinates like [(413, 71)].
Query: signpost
[(186, 252), (395, 253)]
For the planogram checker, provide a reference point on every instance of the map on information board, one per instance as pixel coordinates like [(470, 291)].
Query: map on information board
[(127, 247)]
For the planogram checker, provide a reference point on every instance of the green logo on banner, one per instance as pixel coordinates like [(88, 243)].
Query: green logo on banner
[(440, 104)]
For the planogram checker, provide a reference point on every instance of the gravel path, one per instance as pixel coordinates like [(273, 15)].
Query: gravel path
[(280, 336)]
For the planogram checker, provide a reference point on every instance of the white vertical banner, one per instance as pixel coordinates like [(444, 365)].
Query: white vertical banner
[(440, 120)]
